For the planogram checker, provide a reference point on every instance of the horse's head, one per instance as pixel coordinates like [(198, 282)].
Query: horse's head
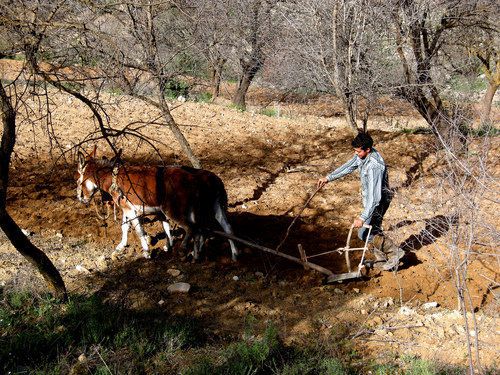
[(86, 185)]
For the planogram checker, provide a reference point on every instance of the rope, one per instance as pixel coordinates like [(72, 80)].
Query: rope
[(296, 217), (103, 218)]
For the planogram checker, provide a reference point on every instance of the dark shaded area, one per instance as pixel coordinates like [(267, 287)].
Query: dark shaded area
[(86, 322), (435, 228)]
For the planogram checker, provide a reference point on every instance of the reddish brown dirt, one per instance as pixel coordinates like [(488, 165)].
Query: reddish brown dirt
[(269, 166)]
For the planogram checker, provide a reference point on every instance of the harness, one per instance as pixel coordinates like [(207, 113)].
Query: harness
[(114, 184)]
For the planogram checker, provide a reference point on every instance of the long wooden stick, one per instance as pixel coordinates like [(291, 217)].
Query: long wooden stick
[(279, 253)]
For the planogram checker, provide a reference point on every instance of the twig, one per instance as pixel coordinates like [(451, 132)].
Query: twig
[(372, 331), (103, 361)]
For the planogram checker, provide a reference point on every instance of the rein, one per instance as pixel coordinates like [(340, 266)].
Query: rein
[(106, 216)]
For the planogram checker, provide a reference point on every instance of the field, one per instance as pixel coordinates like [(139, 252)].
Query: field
[(269, 163)]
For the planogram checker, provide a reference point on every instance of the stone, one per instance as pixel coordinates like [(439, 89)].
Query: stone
[(173, 272), (338, 291), (26, 232), (429, 305), (236, 278), (405, 310), (82, 269), (82, 358), (356, 290), (259, 274), (179, 288)]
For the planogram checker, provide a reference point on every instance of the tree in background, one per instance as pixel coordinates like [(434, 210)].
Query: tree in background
[(209, 23), (252, 25), (139, 48), (488, 54), (422, 29), (337, 42)]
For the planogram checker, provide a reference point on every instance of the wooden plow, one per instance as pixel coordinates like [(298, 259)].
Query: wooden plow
[(304, 259)]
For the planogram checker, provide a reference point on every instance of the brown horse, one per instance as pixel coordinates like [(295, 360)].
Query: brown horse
[(193, 198)]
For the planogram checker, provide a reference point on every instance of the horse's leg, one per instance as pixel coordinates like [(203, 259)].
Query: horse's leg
[(125, 228), (220, 216), (187, 237), (170, 240), (136, 222), (199, 240)]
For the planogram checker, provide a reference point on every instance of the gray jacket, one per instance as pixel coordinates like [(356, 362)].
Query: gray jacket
[(374, 180)]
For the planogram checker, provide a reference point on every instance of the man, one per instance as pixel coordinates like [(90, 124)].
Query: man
[(376, 197)]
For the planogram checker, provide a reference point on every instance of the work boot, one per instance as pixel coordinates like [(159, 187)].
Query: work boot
[(393, 253), (378, 245), (393, 261)]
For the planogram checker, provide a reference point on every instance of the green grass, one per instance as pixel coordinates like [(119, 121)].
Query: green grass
[(271, 112), (42, 331), (176, 88), (115, 91), (467, 85), (239, 108), (203, 97), (417, 130)]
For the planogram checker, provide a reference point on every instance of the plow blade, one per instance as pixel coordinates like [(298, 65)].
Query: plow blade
[(344, 276)]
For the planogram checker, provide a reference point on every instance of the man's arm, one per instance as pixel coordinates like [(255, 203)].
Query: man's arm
[(341, 171)]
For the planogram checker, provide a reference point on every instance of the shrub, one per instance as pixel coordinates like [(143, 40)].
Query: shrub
[(176, 88), (271, 112)]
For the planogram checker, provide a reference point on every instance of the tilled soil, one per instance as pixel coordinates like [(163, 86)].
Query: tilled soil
[(269, 166)]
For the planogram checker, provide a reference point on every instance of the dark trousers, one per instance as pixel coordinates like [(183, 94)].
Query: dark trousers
[(375, 220)]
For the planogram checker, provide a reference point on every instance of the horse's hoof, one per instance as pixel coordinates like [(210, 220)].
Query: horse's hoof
[(115, 255), (120, 247)]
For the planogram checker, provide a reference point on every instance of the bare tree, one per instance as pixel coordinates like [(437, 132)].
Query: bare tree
[(252, 25), (15, 235), (209, 22), (489, 56), (337, 42), (422, 28), (137, 47)]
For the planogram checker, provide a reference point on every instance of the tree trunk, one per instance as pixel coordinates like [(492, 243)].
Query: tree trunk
[(239, 97), (195, 162), (33, 254), (341, 75), (15, 235), (486, 103), (217, 77)]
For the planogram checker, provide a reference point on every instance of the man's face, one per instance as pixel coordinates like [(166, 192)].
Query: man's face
[(361, 153)]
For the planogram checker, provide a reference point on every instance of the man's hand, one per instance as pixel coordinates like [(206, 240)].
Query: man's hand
[(322, 182), (358, 223)]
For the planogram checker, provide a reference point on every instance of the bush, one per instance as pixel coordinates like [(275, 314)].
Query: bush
[(176, 88), (203, 97), (271, 112)]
